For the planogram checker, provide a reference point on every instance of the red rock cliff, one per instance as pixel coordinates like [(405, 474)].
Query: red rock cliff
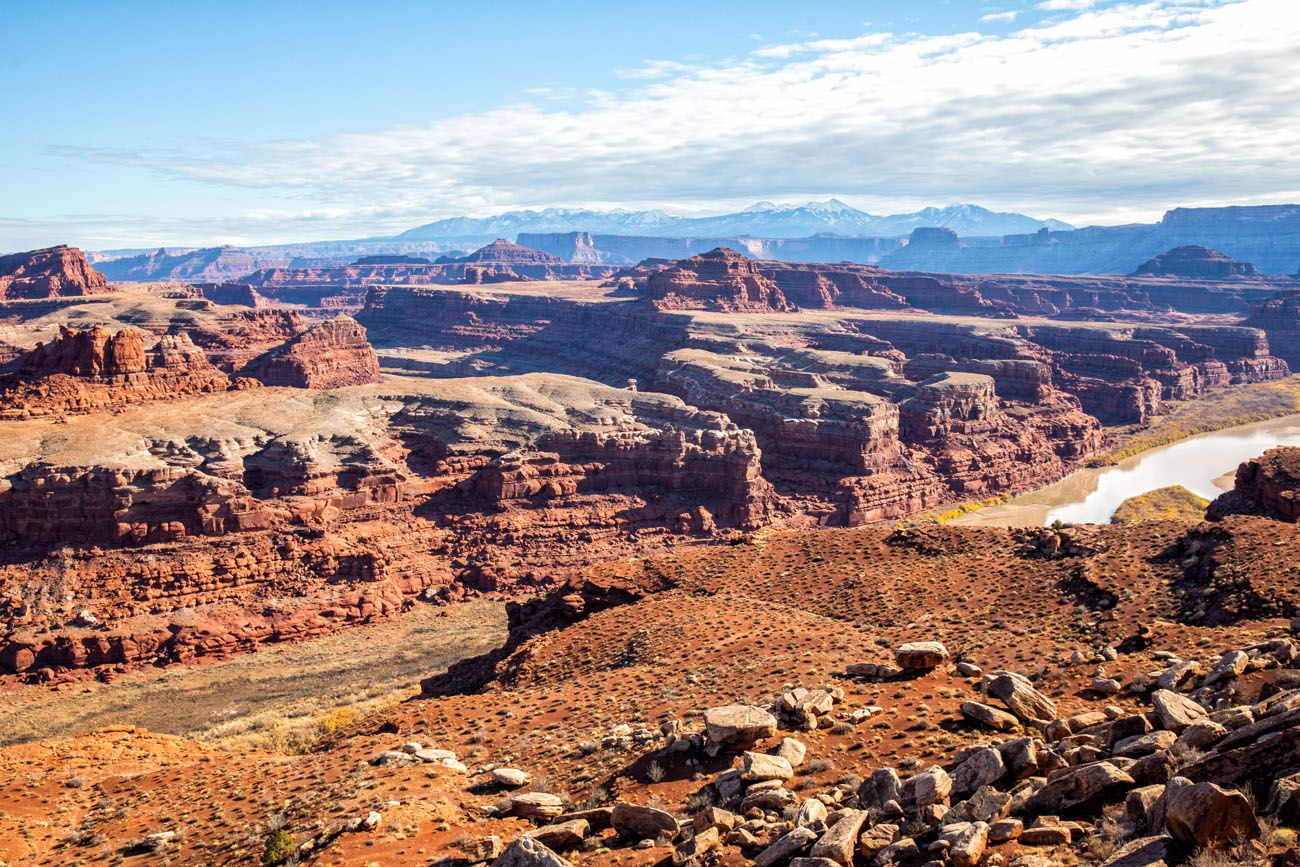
[(330, 355), (50, 273)]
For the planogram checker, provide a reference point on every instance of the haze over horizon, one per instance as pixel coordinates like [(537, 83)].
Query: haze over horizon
[(248, 125)]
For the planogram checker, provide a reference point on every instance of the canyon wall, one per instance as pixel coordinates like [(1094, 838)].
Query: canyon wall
[(332, 354)]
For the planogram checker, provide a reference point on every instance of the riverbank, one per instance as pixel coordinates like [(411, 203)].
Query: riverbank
[(1219, 410), (1197, 463)]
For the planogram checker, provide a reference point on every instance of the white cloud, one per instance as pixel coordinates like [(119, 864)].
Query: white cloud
[(1067, 4), (1008, 16), (1124, 109)]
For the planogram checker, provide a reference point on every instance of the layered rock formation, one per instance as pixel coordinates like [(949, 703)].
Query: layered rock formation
[(505, 484), (499, 262), (53, 272), (716, 280), (1279, 318), (209, 265), (1268, 485), (93, 369), (1197, 262), (1268, 236), (332, 354), (538, 429)]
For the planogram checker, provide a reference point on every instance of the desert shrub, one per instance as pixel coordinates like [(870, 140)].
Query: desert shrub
[(279, 846)]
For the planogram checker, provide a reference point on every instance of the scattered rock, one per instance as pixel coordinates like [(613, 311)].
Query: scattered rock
[(1206, 815), (1176, 711), (510, 778), (839, 842), (736, 726), (1020, 697), (921, 655), (1079, 786), (643, 823), (786, 847), (527, 852)]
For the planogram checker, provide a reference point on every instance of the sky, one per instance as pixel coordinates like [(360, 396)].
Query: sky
[(136, 124)]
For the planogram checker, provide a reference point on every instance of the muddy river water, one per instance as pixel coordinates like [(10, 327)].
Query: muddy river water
[(1203, 464)]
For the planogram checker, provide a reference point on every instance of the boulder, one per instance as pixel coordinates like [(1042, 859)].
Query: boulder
[(989, 716), (785, 847), (792, 751), (643, 823), (527, 852), (1206, 815), (931, 786), (840, 840), (1005, 830), (758, 767), (811, 812), (1229, 667), (1284, 800), (536, 805), (561, 835), (921, 655), (702, 842), (876, 838), (880, 788), (986, 805), (1143, 852), (1079, 786), (968, 844), (1143, 745), (981, 768), (736, 726), (1020, 697), (510, 778), (1176, 711)]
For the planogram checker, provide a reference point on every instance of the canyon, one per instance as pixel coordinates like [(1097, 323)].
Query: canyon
[(291, 470), (191, 470)]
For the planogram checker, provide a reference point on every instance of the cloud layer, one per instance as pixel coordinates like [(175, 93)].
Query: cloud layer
[(1094, 113)]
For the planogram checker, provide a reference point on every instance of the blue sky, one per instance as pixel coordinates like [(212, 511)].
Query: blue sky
[(134, 124)]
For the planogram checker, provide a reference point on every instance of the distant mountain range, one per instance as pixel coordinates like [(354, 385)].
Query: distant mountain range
[(957, 239), (763, 219)]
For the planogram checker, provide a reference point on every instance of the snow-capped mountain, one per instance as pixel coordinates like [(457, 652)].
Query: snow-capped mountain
[(761, 220), (509, 224), (964, 219)]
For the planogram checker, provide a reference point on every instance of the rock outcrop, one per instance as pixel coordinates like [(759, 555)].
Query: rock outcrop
[(724, 279), (1200, 263), (332, 354), (1268, 485), (1279, 318), (210, 264), (718, 280), (498, 262), (92, 369), (54, 272)]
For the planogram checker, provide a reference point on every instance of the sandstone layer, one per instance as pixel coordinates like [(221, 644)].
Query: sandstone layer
[(1268, 485), (1193, 261), (332, 354), (520, 432), (498, 262), (54, 272)]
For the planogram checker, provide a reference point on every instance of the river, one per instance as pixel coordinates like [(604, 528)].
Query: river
[(1202, 464)]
